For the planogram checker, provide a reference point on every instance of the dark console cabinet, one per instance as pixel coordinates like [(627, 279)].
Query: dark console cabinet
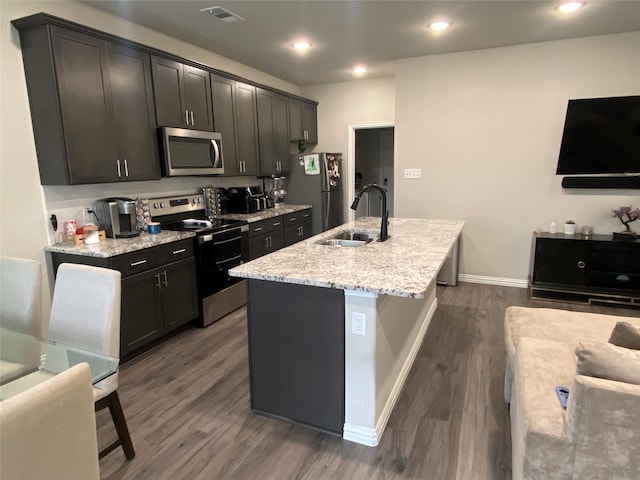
[(585, 269)]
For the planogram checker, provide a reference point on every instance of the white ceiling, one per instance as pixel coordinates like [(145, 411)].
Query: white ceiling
[(374, 33)]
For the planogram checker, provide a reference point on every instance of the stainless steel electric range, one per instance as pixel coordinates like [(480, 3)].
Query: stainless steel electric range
[(220, 245)]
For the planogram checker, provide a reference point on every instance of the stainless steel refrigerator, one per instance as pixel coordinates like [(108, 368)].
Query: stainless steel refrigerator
[(316, 179)]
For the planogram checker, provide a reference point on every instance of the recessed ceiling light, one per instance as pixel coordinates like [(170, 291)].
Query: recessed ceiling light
[(359, 69), (301, 45), (439, 25), (569, 7)]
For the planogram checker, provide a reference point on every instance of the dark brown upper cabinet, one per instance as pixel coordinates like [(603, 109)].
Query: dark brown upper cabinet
[(91, 106), (182, 95), (273, 132), (234, 109), (303, 121)]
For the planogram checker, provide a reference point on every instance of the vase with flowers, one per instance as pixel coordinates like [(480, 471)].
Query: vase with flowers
[(626, 215)]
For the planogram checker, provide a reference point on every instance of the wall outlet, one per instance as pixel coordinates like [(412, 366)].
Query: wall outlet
[(412, 173), (358, 323)]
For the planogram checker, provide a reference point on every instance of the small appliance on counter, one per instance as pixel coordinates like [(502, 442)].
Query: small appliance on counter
[(116, 216), (278, 192), (247, 200)]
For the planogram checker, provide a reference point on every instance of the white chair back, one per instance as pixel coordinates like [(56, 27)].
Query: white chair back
[(49, 431), (85, 312), (20, 295)]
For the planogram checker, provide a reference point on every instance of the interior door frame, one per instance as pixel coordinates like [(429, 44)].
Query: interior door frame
[(350, 170)]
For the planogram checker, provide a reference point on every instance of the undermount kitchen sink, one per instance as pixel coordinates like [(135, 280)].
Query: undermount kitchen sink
[(350, 238)]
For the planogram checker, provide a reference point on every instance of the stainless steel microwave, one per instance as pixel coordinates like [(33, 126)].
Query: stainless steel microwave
[(191, 152)]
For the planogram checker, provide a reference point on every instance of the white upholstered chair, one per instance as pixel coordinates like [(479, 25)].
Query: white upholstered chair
[(49, 431), (85, 312), (20, 310), (20, 295)]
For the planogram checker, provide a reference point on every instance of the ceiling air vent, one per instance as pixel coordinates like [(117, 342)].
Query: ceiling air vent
[(223, 14)]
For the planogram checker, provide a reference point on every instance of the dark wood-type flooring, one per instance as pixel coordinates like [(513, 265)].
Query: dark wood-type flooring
[(187, 406)]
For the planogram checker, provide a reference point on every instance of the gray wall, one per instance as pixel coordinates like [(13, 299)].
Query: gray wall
[(485, 127)]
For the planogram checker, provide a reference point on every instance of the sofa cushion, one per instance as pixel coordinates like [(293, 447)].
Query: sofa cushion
[(607, 361), (559, 325), (625, 335), (540, 442)]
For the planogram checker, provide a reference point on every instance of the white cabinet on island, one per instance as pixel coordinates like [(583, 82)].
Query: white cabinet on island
[(334, 330)]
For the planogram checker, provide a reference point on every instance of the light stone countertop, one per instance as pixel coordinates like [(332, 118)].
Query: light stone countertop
[(403, 266), (112, 247), (279, 209)]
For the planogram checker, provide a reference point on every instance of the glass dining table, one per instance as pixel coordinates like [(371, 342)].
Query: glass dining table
[(26, 361)]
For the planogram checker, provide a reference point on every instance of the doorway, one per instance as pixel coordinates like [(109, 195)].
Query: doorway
[(374, 164)]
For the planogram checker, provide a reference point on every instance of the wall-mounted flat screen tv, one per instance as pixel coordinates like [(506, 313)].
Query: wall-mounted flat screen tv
[(601, 136)]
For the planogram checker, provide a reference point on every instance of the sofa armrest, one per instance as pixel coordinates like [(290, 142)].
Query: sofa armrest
[(603, 421)]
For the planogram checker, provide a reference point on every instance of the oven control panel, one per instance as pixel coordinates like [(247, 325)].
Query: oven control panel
[(170, 205)]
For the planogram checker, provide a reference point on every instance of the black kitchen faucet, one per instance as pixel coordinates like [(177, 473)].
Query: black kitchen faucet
[(385, 213)]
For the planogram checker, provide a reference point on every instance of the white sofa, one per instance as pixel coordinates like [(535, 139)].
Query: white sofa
[(598, 436)]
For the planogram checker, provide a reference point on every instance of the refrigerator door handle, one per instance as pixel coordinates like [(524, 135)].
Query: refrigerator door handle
[(325, 173), (325, 220)]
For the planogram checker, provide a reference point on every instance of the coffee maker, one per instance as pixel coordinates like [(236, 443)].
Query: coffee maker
[(117, 216)]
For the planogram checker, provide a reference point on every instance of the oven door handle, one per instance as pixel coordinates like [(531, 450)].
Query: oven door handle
[(234, 239), (229, 260)]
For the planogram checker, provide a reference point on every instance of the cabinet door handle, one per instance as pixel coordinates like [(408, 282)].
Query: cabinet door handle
[(257, 229), (293, 219), (186, 117), (118, 167), (275, 224), (581, 264), (166, 282), (182, 250), (306, 215), (157, 275), (126, 168), (192, 122), (266, 242), (140, 262)]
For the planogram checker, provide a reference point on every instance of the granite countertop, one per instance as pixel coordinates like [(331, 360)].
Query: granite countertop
[(112, 247), (279, 209), (403, 266)]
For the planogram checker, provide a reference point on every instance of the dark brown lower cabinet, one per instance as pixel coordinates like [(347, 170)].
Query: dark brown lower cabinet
[(159, 291), (296, 353), (157, 302), (274, 233)]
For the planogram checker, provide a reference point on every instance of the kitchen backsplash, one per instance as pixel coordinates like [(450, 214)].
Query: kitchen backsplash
[(73, 201)]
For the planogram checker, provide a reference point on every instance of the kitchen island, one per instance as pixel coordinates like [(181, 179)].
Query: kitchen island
[(333, 330)]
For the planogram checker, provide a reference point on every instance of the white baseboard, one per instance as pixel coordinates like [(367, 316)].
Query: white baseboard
[(505, 282), (361, 435)]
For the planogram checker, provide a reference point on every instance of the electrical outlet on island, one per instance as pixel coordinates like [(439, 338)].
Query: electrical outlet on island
[(358, 323)]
